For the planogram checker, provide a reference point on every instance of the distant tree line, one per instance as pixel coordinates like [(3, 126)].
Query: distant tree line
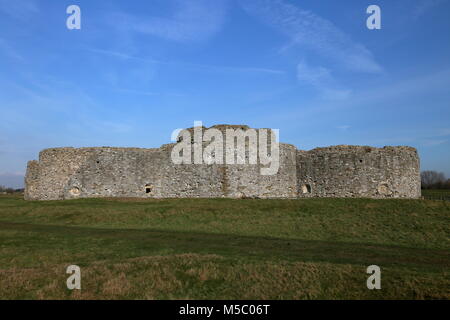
[(434, 180), (4, 189)]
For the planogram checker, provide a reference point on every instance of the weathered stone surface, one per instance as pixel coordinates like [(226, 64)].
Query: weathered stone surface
[(356, 171), (339, 171)]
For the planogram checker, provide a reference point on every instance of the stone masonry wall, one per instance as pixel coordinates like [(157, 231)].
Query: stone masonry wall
[(340, 171), (355, 171)]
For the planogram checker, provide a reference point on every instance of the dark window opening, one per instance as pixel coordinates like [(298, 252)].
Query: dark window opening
[(306, 188), (148, 188), (75, 191)]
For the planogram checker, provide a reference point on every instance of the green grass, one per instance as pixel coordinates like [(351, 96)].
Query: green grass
[(436, 194), (224, 249)]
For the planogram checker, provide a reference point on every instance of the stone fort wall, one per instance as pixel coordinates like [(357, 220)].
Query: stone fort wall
[(339, 171), (356, 171)]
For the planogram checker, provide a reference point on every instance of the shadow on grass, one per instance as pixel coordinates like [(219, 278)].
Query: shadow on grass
[(125, 242)]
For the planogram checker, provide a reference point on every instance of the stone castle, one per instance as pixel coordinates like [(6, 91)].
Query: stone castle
[(337, 171)]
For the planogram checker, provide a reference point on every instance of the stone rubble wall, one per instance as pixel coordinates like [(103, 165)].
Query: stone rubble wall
[(339, 171), (356, 171)]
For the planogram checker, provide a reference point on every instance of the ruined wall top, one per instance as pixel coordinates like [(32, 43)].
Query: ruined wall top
[(334, 171)]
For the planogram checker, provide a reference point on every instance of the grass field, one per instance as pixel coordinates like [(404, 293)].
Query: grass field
[(436, 194), (224, 249)]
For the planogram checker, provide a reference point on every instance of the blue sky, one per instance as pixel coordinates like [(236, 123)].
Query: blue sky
[(139, 69)]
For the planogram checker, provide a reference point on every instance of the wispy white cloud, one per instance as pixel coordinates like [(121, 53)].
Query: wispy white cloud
[(227, 69), (137, 92), (12, 173), (9, 51), (197, 66), (432, 142), (381, 96), (431, 83), (311, 31), (77, 113), (191, 20), (423, 6), (423, 138), (444, 132), (121, 55), (322, 80), (19, 9), (315, 76), (343, 127)]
